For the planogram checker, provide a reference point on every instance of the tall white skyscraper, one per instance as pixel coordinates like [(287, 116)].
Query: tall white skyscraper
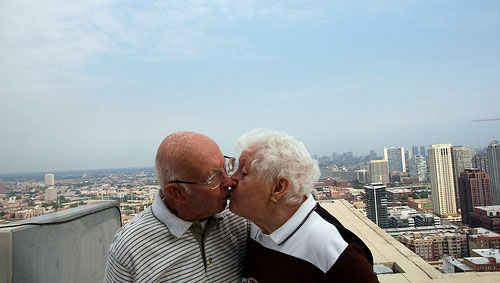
[(49, 179), (395, 157), (493, 152), (442, 180)]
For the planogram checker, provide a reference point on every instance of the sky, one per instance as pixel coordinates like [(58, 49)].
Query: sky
[(99, 83)]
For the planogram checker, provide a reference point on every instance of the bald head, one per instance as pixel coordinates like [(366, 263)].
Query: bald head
[(184, 155)]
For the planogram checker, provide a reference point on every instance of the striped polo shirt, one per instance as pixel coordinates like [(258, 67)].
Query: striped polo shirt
[(157, 246)]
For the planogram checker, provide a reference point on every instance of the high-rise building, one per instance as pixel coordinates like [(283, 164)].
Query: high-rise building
[(475, 190), (442, 181), (418, 168), (373, 155), (462, 159), (49, 179), (480, 161), (379, 171), (376, 204), (415, 151), (493, 152), (50, 194), (423, 152), (395, 157)]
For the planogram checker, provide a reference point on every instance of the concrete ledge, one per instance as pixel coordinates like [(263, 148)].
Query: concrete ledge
[(65, 246)]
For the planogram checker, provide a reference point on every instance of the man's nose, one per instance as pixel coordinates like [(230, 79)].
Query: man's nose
[(227, 181)]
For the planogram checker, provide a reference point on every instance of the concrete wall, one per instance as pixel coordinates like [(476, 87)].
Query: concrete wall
[(66, 246)]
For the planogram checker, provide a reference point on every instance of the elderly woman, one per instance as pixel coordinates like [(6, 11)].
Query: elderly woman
[(292, 238)]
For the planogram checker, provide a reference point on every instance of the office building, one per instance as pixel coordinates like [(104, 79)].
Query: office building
[(462, 159), (442, 180), (376, 204), (487, 217), (50, 194), (418, 168), (421, 205), (433, 246), (480, 161), (379, 171), (480, 238), (423, 152), (493, 152), (49, 179), (395, 157), (426, 219), (372, 155), (475, 190), (415, 150)]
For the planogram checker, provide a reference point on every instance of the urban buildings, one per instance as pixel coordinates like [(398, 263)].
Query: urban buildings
[(480, 161), (480, 238), (493, 152), (395, 157), (418, 168), (50, 194), (462, 159), (475, 190), (442, 180), (487, 217), (379, 171), (49, 179), (422, 205), (482, 260), (433, 246), (376, 204)]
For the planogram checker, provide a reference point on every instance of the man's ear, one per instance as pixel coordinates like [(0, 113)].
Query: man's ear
[(175, 192), (281, 187)]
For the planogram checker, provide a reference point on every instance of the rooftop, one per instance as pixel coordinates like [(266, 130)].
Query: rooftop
[(482, 232), (386, 249), (487, 252)]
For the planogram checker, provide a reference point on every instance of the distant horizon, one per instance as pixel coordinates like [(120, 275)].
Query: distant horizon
[(355, 154)]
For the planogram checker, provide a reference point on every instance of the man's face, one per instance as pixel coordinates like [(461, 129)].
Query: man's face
[(203, 200)]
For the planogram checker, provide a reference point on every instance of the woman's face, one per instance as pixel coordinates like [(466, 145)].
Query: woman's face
[(249, 197)]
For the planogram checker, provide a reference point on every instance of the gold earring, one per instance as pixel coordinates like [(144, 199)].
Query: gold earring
[(273, 200)]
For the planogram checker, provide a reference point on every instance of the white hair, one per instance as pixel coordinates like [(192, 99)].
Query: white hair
[(278, 155), (165, 174)]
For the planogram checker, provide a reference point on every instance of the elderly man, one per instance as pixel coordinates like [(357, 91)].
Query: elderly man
[(186, 235)]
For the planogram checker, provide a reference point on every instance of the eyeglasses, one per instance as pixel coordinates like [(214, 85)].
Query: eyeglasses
[(215, 179)]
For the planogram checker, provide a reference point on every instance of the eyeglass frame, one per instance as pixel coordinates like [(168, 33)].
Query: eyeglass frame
[(232, 165)]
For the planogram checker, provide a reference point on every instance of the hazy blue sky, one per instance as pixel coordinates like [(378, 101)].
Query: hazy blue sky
[(99, 84)]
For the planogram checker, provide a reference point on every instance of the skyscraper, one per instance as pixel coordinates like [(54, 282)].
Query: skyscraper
[(442, 180), (379, 171), (418, 168), (462, 159), (49, 179), (395, 157), (475, 190), (493, 152), (415, 151), (480, 161), (423, 152), (376, 204)]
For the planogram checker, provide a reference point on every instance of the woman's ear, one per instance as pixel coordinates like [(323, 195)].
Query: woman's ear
[(281, 187)]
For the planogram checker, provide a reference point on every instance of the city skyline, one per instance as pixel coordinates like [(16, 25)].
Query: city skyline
[(99, 84)]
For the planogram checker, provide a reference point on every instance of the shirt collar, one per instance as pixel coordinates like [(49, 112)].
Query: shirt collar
[(175, 225), (283, 233)]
